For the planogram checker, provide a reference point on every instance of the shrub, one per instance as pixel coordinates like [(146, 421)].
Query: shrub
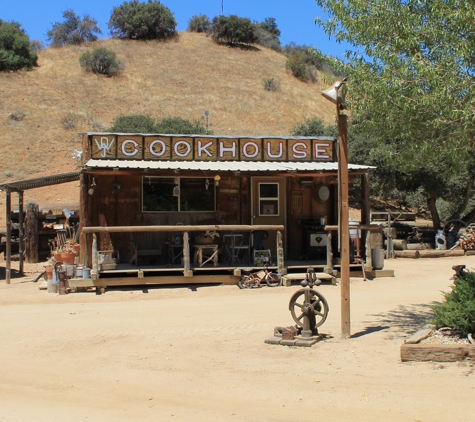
[(232, 30), (15, 52), (179, 126), (267, 39), (312, 126), (73, 30), (297, 64), (70, 121), (200, 23), (101, 61), (137, 123), (458, 310), (142, 21), (270, 84)]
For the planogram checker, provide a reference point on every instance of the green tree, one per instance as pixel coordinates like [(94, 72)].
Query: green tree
[(232, 30), (411, 78), (102, 61), (270, 25), (73, 30), (268, 34), (15, 51), (199, 23), (179, 126), (142, 21)]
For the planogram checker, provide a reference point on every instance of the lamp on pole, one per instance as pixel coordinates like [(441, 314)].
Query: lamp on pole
[(336, 95)]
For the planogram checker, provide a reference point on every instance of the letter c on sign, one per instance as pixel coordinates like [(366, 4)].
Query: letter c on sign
[(124, 148)]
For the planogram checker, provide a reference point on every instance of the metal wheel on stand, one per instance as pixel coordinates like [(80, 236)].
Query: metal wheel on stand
[(452, 231)]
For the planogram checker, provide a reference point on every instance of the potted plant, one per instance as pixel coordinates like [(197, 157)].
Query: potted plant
[(207, 238)]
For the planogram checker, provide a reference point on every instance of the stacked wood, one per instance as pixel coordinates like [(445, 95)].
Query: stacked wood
[(466, 240)]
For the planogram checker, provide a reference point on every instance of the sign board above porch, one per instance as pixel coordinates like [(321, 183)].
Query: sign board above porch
[(111, 146)]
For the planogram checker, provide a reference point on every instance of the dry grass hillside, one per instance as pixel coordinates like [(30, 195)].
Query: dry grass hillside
[(179, 78)]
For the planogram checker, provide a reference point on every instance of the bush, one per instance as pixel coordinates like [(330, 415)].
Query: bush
[(73, 30), (15, 51), (142, 21), (232, 30), (313, 126), (137, 123), (179, 126), (266, 39), (70, 121), (37, 45), (270, 84), (458, 310), (101, 61), (200, 23), (145, 124), (297, 64)]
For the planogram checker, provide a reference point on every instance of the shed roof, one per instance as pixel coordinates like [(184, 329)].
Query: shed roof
[(39, 182)]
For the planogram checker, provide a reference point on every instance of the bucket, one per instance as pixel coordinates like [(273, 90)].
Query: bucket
[(86, 273), (79, 271), (49, 273), (440, 240), (377, 258)]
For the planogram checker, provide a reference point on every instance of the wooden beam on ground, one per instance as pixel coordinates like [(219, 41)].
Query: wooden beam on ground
[(437, 352), (441, 253)]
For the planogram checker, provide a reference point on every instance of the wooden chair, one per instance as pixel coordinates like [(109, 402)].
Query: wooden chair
[(143, 247)]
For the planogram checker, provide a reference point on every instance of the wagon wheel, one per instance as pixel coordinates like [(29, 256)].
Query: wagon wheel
[(451, 231), (310, 303)]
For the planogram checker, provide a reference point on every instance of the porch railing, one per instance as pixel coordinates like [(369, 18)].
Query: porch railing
[(187, 272)]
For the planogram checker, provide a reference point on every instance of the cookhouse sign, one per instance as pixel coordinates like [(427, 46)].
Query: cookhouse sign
[(208, 148)]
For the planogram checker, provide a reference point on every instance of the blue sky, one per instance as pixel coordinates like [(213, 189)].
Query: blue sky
[(295, 19)]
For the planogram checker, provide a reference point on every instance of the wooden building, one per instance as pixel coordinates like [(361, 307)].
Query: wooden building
[(177, 187)]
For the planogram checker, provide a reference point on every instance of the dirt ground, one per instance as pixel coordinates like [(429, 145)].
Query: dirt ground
[(198, 354)]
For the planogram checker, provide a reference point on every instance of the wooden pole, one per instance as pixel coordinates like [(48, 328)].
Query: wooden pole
[(344, 225), (32, 235), (95, 258), (21, 232), (8, 251), (280, 254)]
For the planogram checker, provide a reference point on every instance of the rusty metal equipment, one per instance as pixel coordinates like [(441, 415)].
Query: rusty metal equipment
[(62, 277), (308, 307)]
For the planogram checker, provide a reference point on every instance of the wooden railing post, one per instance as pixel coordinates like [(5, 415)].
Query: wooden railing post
[(329, 268), (280, 255), (186, 256), (95, 258)]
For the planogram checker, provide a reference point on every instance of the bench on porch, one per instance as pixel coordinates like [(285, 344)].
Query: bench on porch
[(143, 246)]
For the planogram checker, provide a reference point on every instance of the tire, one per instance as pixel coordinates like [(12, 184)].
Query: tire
[(273, 280), (246, 282)]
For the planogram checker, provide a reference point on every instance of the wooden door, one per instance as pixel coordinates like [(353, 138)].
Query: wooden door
[(268, 207)]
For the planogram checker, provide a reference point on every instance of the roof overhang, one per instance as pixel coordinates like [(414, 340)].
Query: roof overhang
[(222, 166), (39, 182)]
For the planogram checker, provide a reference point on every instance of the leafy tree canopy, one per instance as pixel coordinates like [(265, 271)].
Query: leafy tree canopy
[(15, 52), (142, 21), (411, 79), (179, 126), (232, 30), (73, 30), (199, 23)]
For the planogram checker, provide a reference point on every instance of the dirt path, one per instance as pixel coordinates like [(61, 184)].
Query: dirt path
[(199, 354)]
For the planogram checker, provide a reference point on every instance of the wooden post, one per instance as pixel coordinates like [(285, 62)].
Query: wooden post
[(280, 254), (95, 258), (83, 219), (21, 232), (365, 210), (8, 252), (32, 235), (186, 255), (344, 226), (329, 267)]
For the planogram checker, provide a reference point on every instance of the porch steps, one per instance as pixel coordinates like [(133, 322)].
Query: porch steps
[(289, 279)]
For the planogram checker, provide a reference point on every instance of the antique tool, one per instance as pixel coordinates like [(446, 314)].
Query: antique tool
[(308, 307), (62, 277)]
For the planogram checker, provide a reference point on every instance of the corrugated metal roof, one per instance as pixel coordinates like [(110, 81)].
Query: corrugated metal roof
[(243, 166)]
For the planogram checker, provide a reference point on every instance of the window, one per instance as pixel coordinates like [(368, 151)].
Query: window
[(268, 199), (179, 194)]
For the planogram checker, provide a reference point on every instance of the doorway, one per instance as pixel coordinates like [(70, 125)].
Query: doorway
[(268, 207)]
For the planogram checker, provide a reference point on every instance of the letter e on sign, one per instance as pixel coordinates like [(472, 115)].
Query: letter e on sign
[(322, 150)]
